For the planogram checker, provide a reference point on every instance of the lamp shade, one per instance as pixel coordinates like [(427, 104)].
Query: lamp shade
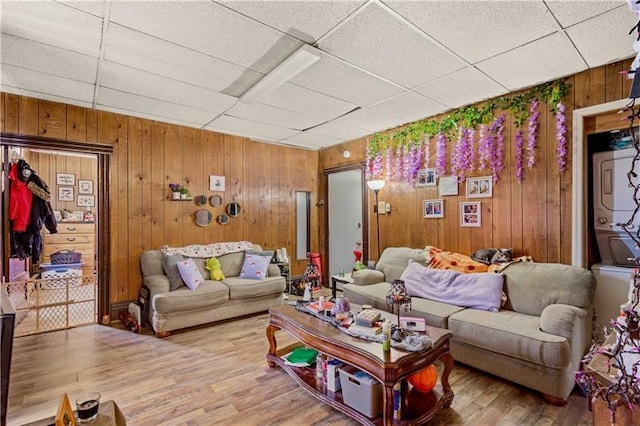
[(375, 185)]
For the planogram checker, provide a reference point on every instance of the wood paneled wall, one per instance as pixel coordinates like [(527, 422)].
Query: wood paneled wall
[(532, 217), (148, 155)]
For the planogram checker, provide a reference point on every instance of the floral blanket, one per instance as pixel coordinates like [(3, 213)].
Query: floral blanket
[(208, 250)]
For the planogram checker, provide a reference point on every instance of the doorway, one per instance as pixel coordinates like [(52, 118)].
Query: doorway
[(345, 218), (64, 282)]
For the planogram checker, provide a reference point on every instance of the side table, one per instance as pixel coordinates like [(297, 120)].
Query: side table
[(343, 279), (109, 414)]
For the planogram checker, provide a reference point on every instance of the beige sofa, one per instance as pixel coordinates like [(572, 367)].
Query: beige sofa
[(212, 300), (536, 339)]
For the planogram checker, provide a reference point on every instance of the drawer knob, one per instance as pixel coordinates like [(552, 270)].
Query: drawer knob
[(70, 239), (70, 228)]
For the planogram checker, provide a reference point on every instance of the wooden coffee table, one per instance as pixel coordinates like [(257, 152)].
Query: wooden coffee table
[(388, 367)]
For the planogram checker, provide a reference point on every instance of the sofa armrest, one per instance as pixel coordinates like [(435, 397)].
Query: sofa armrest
[(560, 320), (367, 276), (157, 284)]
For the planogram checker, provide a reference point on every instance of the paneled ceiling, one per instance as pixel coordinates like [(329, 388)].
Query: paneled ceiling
[(383, 62)]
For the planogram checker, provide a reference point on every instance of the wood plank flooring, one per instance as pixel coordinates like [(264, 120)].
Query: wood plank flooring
[(217, 375)]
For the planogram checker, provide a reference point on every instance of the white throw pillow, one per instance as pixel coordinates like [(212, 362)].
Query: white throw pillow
[(190, 273)]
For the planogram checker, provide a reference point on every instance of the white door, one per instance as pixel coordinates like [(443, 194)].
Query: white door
[(345, 219)]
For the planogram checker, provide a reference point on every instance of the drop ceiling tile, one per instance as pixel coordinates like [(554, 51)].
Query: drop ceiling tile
[(463, 87), (379, 42), (45, 96), (139, 114), (54, 24), (241, 134), (35, 81), (477, 30), (36, 56), (605, 38), (296, 98), (142, 51), (93, 7), (571, 12), (370, 120), (227, 124), (338, 131), (546, 59), (409, 107), (304, 20), (274, 116), (312, 141), (136, 103), (131, 80), (336, 78), (209, 28)]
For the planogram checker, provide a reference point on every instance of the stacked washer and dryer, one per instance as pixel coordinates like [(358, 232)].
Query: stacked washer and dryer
[(613, 204)]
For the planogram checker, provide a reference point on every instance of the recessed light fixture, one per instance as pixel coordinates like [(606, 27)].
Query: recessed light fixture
[(299, 61)]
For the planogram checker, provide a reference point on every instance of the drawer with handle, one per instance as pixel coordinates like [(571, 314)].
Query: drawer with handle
[(70, 238), (76, 228)]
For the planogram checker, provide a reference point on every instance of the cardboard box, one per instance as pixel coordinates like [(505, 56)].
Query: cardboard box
[(333, 375)]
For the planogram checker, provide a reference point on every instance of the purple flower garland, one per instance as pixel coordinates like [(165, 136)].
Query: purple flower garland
[(427, 150), (388, 164), (520, 155), (470, 145), (441, 154), (532, 133), (485, 151), (367, 165), (561, 136), (497, 159), (463, 155), (376, 172), (397, 167)]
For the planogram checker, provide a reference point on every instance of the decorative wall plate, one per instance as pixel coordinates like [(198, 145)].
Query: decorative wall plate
[(201, 200), (215, 200), (223, 219), (203, 217)]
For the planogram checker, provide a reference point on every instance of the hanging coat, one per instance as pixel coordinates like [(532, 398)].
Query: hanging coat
[(41, 214), (20, 198)]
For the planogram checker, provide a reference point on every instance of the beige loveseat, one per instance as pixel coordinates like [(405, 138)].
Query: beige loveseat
[(536, 339), (212, 300)]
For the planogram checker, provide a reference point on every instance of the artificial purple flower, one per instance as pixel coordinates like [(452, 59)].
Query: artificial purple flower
[(376, 172), (471, 150), (484, 148), (456, 157), (441, 154), (388, 167), (497, 160), (416, 161), (561, 136), (519, 155), (427, 150), (367, 165), (532, 133), (397, 169)]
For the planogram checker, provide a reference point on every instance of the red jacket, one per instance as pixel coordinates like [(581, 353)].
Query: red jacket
[(20, 200)]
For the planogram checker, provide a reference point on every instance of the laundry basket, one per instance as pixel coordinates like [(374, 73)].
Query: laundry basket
[(65, 257), (53, 276)]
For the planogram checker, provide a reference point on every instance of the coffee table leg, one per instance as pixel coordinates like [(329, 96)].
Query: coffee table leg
[(271, 337), (447, 360), (387, 413)]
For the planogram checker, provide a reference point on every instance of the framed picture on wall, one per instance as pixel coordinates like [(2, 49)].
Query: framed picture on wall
[(216, 183), (426, 177), (86, 201), (67, 179), (65, 193), (480, 187), (85, 186), (470, 214), (432, 209), (447, 185)]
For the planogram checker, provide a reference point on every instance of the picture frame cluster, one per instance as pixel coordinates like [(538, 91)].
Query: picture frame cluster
[(66, 183)]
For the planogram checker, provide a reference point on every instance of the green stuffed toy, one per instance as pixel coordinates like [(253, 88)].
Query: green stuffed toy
[(215, 270)]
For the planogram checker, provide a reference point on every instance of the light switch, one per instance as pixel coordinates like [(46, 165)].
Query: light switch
[(382, 207), (388, 208)]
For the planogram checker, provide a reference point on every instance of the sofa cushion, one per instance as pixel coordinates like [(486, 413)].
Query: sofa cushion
[(231, 263), (435, 314), (512, 334), (208, 294), (243, 288), (170, 267), (255, 266), (190, 274), (531, 286), (479, 291), (394, 261)]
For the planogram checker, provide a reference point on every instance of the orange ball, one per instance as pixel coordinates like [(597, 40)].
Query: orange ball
[(425, 380)]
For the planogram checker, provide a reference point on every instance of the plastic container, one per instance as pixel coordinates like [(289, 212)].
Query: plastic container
[(54, 275), (361, 391), (65, 257)]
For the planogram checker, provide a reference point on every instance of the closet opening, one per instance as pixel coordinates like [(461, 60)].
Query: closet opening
[(55, 231)]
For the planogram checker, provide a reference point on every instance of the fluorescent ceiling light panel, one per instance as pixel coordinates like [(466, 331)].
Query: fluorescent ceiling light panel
[(300, 60)]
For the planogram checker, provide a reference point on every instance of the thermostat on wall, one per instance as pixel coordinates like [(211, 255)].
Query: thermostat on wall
[(412, 324)]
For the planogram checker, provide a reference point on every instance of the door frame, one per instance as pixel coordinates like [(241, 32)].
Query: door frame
[(365, 213), (102, 153)]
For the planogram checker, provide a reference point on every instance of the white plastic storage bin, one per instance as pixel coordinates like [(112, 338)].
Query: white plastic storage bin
[(361, 391), (53, 275)]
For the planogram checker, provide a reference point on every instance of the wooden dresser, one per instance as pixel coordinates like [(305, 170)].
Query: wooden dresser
[(76, 236)]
